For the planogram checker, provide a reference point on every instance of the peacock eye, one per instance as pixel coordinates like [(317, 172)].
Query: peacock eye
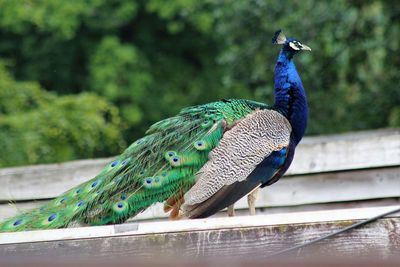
[(114, 163), (17, 222), (140, 141), (52, 217)]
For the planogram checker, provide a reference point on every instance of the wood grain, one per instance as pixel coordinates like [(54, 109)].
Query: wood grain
[(382, 183), (193, 225), (356, 150), (369, 149), (381, 239), (46, 180)]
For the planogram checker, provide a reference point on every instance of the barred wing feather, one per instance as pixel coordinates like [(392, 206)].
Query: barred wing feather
[(237, 155)]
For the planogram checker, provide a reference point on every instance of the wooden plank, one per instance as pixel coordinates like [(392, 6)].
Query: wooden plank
[(255, 235), (315, 154), (294, 191), (331, 187), (194, 225), (10, 209), (155, 213), (357, 150), (46, 180)]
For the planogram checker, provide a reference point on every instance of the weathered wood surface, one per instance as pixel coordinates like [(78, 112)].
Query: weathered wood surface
[(46, 180), (294, 191), (255, 236), (155, 213), (351, 151), (356, 150), (31, 186)]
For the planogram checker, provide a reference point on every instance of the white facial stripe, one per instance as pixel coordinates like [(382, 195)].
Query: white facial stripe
[(293, 46)]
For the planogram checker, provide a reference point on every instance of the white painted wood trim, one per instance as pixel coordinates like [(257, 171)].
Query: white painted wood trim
[(350, 151), (149, 228), (292, 191), (358, 150)]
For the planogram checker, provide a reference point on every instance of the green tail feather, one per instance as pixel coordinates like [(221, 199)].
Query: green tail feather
[(152, 169)]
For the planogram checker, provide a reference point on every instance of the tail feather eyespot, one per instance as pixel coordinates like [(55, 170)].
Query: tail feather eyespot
[(52, 217), (207, 124), (201, 145), (120, 206), (18, 222), (170, 154)]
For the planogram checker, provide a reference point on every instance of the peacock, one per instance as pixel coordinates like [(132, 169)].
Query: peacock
[(198, 162)]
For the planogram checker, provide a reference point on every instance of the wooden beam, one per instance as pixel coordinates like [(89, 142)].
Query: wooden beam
[(331, 187), (254, 235), (293, 191), (193, 225), (46, 180), (315, 154), (155, 213), (349, 151)]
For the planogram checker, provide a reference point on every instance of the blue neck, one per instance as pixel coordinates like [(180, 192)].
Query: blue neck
[(290, 97)]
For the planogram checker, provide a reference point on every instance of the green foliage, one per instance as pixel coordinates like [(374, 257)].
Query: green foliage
[(394, 118), (152, 58), (63, 18), (38, 126), (350, 76), (117, 70)]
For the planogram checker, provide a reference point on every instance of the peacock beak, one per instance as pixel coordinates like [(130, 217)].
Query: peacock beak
[(304, 47)]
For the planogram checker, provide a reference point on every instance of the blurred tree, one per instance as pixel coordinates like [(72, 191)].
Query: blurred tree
[(151, 58), (351, 75), (121, 74), (37, 126)]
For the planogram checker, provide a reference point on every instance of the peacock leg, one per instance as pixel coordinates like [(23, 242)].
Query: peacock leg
[(231, 210), (251, 201)]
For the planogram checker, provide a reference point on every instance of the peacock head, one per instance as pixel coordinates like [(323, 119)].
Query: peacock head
[(291, 46)]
